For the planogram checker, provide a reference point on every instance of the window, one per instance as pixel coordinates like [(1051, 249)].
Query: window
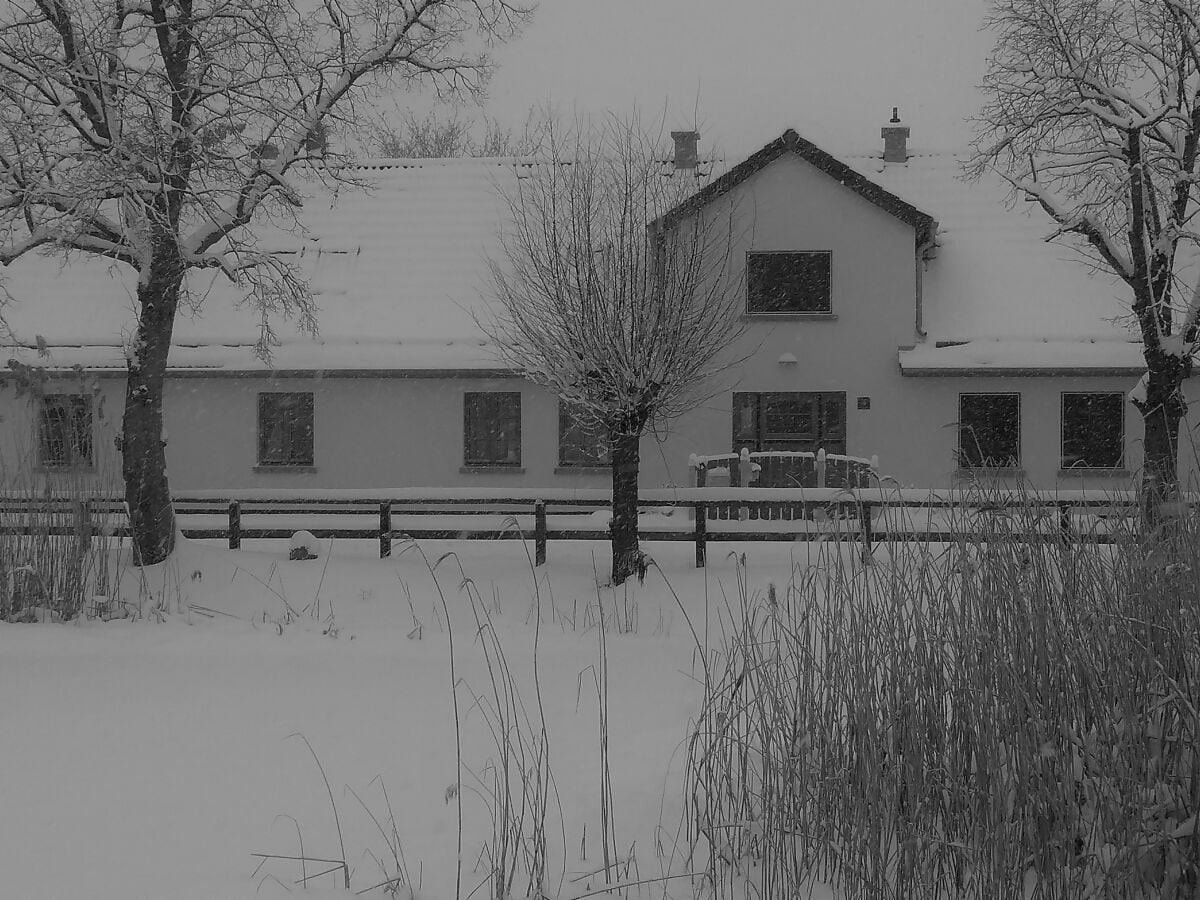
[(285, 429), (65, 431), (989, 430), (788, 282), (580, 444), (492, 428), (1093, 430), (790, 421)]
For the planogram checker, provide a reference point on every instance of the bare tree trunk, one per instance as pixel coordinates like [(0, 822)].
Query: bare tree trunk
[(144, 462), (1163, 410), (626, 555)]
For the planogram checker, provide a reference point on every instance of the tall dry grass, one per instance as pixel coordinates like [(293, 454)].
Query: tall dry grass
[(59, 556), (987, 718)]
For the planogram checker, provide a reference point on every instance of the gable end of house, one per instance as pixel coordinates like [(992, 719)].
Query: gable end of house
[(790, 141)]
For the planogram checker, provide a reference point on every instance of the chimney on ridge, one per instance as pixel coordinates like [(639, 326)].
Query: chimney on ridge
[(895, 139), (685, 148)]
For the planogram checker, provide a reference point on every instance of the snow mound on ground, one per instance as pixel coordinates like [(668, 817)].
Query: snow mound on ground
[(303, 546)]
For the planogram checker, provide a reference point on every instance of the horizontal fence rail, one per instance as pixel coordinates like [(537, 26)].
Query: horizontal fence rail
[(700, 515)]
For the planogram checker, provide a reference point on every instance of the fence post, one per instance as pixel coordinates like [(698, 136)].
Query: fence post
[(1064, 521), (539, 532), (867, 539), (820, 467), (83, 525), (385, 529), (701, 534), (235, 525)]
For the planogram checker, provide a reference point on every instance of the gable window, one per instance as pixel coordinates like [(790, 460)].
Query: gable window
[(285, 429), (989, 430), (789, 282), (492, 428), (795, 420), (65, 431), (1093, 430), (580, 443)]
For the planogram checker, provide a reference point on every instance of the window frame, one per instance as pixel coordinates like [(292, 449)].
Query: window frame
[(966, 462), (483, 462), (1119, 398), (309, 406), (826, 310), (77, 455), (565, 422)]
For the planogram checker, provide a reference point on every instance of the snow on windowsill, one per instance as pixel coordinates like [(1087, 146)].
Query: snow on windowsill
[(789, 317), (302, 470), (967, 473), (492, 470)]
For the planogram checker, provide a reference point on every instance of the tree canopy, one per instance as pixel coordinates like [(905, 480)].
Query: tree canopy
[(1093, 111), (157, 133)]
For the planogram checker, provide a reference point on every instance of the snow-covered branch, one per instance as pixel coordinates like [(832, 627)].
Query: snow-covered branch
[(624, 323), (1093, 110)]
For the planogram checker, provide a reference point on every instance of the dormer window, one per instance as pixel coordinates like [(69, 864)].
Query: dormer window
[(789, 282)]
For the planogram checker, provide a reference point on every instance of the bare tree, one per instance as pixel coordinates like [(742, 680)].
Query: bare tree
[(432, 137), (1093, 113), (442, 136), (617, 295), (158, 133)]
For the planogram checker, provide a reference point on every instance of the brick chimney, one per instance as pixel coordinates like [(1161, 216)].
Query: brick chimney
[(685, 148), (895, 139)]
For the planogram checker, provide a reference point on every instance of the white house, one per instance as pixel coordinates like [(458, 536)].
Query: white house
[(892, 309)]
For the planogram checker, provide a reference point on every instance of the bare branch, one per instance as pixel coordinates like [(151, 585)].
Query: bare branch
[(160, 133), (629, 326), (1094, 112)]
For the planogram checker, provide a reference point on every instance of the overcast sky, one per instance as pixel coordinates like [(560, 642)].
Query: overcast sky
[(832, 69)]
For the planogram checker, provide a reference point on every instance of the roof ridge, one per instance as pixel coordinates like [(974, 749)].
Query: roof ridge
[(474, 162), (790, 142)]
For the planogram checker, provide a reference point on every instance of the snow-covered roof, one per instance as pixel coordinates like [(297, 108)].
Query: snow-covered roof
[(997, 296), (1023, 356), (302, 356), (398, 271)]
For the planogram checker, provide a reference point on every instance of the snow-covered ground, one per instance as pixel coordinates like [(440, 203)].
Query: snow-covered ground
[(151, 758)]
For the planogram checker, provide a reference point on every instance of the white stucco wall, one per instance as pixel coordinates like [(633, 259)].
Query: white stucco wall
[(792, 205), (368, 432)]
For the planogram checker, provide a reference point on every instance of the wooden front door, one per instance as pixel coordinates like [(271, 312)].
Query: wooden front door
[(790, 420)]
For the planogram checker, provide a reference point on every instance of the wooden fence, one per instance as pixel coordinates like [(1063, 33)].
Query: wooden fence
[(700, 515)]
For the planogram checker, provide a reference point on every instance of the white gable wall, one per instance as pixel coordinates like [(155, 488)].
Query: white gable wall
[(792, 205)]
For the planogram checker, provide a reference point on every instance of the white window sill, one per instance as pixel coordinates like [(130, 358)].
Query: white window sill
[(971, 472), (1084, 472), (498, 469), (790, 316), (281, 469)]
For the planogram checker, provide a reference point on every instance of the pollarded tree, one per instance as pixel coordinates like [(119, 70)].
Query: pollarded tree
[(616, 294), (157, 134), (1093, 111)]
